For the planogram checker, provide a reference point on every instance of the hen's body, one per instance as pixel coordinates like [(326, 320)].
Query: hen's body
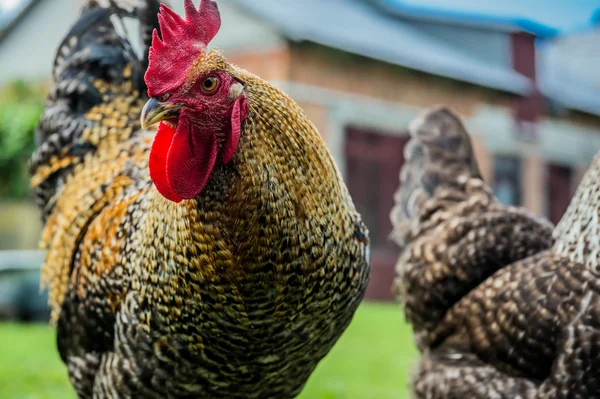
[(237, 293), (499, 306)]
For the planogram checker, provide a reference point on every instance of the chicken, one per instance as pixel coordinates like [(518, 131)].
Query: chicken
[(502, 304), (219, 256)]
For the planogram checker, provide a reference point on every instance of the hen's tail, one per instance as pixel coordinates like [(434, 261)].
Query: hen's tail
[(439, 155), (98, 88)]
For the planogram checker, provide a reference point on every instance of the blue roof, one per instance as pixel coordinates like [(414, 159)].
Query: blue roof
[(360, 28), (543, 18)]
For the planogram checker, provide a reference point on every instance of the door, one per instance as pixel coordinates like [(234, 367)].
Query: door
[(560, 190), (373, 161)]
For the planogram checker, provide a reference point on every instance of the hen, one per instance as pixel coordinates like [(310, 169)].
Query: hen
[(220, 256), (502, 306)]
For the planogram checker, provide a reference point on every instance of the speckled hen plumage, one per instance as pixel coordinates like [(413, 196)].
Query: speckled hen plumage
[(236, 293), (502, 306)]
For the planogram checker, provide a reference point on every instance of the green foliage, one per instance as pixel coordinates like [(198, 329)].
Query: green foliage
[(21, 105), (372, 360)]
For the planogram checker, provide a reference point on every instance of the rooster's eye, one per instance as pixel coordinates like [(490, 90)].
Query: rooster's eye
[(210, 84), (164, 97)]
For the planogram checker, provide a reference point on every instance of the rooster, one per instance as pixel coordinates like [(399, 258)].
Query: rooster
[(502, 304), (218, 256)]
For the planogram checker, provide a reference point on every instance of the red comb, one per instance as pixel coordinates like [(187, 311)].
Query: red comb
[(183, 40)]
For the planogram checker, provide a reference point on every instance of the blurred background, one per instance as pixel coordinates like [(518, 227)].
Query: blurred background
[(524, 74)]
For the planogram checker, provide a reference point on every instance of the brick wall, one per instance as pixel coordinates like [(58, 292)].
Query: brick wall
[(270, 64), (329, 68)]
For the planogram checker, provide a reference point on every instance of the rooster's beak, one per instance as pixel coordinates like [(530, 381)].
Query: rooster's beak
[(155, 111)]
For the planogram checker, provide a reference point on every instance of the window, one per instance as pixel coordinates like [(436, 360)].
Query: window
[(507, 179)]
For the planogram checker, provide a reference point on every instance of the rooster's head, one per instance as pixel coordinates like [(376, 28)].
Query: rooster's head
[(200, 106)]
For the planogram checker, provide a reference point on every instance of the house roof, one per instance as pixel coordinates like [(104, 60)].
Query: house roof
[(358, 27), (385, 30), (367, 28)]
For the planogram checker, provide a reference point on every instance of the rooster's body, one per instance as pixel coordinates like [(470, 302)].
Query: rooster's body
[(237, 292), (502, 306)]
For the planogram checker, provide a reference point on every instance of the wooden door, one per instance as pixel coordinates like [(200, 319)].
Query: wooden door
[(373, 161), (560, 190)]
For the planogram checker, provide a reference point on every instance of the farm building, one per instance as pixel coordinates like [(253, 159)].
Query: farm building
[(362, 69)]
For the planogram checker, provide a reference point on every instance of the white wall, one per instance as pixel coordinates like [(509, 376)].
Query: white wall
[(28, 50), (576, 56)]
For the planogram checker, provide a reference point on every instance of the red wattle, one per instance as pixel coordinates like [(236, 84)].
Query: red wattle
[(157, 162), (190, 160)]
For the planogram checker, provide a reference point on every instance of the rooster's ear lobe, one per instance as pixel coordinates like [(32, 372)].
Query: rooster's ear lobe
[(239, 113)]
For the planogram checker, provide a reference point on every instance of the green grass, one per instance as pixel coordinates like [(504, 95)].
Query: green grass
[(30, 367), (372, 360)]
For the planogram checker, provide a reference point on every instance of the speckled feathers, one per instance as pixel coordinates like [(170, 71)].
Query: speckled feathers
[(500, 307)]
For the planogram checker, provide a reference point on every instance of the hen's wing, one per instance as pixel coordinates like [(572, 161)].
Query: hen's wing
[(532, 329), (453, 232)]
